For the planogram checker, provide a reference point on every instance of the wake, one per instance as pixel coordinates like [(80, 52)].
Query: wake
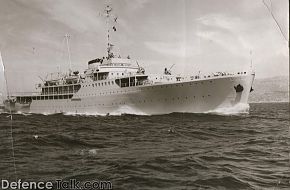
[(238, 109)]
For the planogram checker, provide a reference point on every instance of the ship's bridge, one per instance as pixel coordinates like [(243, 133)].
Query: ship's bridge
[(101, 69), (112, 62)]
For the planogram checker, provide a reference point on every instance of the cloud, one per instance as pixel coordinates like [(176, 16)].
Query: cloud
[(199, 34), (168, 49), (136, 4), (75, 14), (225, 31)]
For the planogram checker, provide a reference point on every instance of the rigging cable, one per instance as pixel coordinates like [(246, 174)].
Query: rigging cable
[(10, 117), (274, 18), (287, 40)]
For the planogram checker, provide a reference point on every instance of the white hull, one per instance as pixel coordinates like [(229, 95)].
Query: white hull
[(195, 96)]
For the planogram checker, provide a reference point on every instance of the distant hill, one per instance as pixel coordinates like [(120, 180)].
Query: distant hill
[(275, 89), (1, 99)]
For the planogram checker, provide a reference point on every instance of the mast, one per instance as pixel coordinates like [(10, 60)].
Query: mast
[(251, 55), (67, 37), (110, 20), (108, 10)]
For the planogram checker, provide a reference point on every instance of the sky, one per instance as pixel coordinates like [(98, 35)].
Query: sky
[(195, 35)]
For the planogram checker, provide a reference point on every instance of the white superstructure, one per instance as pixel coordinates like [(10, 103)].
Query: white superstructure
[(112, 84)]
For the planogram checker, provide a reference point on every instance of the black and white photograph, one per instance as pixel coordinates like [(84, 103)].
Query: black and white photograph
[(144, 94)]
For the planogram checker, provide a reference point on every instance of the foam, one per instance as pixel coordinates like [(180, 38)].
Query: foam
[(83, 114), (22, 113), (127, 110), (240, 108)]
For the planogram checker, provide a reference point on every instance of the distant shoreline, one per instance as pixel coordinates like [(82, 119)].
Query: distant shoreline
[(270, 102)]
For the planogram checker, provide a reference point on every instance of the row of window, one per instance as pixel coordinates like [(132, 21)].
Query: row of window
[(112, 83), (117, 74), (127, 91), (52, 97), (139, 101), (99, 84)]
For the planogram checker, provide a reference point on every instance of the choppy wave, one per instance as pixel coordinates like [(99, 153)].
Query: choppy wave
[(84, 114), (240, 108), (125, 109), (172, 151), (237, 109)]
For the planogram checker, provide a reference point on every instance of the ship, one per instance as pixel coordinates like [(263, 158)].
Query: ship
[(112, 84)]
